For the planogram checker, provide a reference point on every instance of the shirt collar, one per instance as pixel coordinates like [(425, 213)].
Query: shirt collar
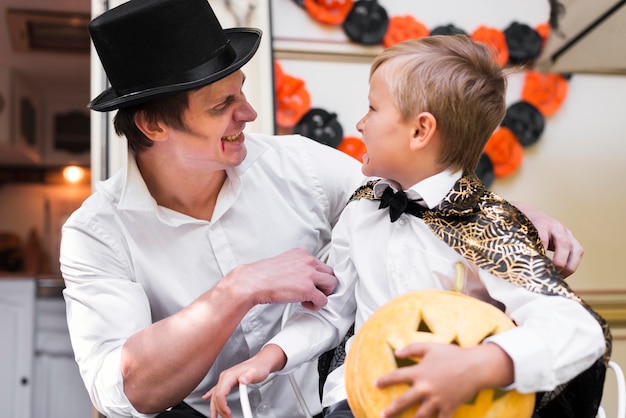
[(432, 189), (135, 194)]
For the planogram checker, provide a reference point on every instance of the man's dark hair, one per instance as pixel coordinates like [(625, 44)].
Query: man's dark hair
[(168, 109)]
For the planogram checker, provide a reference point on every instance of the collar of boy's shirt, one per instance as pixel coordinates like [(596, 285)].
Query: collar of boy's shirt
[(432, 189)]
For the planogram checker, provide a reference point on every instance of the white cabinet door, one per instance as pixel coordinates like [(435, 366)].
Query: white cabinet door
[(60, 392), (17, 300)]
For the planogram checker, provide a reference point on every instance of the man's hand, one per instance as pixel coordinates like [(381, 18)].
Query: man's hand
[(555, 236), (293, 276)]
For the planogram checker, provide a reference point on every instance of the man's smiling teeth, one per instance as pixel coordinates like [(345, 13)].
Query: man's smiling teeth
[(230, 138)]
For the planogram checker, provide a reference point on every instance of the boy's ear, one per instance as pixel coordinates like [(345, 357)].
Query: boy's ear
[(425, 127), (153, 130)]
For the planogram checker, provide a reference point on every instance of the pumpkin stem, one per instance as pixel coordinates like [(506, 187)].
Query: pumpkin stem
[(459, 277)]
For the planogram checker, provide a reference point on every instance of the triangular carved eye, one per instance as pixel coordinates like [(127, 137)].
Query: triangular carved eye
[(404, 362), (423, 327)]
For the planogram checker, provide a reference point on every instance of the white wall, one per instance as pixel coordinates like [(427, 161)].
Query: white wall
[(576, 173)]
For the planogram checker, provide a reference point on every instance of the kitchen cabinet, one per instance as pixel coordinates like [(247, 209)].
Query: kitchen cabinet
[(59, 389), (20, 120), (38, 374), (36, 129), (17, 325), (67, 131)]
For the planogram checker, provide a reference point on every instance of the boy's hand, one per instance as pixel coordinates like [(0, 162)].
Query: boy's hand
[(253, 370), (445, 377)]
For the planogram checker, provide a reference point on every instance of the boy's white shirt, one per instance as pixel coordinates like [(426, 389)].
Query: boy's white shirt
[(376, 260)]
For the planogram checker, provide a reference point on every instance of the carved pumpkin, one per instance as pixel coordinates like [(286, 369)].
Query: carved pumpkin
[(425, 316)]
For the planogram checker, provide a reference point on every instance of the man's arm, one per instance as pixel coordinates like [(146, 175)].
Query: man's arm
[(128, 362), (164, 362)]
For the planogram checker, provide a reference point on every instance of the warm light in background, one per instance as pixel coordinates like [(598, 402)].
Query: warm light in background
[(73, 173)]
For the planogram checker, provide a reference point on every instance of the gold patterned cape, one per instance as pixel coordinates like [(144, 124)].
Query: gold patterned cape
[(497, 237)]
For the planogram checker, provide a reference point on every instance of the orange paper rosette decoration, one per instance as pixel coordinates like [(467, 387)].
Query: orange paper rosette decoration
[(543, 30), (353, 146), (504, 151), (402, 28), (292, 100), (545, 91), (495, 39), (330, 12)]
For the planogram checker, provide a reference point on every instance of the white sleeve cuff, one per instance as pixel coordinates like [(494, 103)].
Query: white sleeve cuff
[(532, 359)]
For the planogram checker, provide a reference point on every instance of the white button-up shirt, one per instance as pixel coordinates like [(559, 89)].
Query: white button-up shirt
[(376, 260), (128, 262)]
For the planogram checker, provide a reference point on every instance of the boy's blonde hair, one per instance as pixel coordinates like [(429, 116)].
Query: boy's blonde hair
[(457, 81)]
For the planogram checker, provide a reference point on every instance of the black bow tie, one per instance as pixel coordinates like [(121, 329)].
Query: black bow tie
[(398, 203)]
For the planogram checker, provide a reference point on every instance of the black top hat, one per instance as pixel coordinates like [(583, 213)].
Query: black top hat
[(151, 48)]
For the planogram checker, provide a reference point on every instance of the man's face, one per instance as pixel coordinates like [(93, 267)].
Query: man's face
[(214, 122)]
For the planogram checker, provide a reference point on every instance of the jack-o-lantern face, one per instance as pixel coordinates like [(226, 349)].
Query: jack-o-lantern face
[(425, 316)]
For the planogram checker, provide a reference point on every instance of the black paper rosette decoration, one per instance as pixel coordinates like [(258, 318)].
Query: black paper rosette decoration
[(484, 170), (525, 121), (449, 29), (366, 23), (320, 125), (524, 43)]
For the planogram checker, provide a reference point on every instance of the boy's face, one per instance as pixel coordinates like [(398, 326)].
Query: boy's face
[(384, 133)]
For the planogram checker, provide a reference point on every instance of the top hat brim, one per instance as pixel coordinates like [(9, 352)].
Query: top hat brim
[(244, 41)]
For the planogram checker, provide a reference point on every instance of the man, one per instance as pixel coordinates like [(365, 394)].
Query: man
[(180, 265)]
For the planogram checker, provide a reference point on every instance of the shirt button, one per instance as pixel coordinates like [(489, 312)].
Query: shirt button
[(402, 221), (264, 410)]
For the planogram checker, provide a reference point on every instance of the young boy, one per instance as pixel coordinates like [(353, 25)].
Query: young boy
[(433, 104)]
